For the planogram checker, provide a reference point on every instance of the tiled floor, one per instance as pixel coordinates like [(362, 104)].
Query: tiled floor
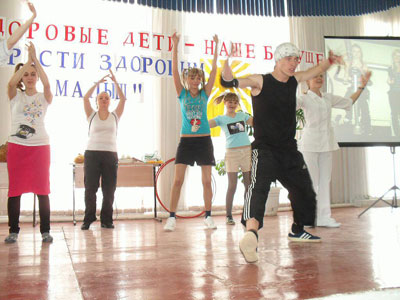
[(138, 260)]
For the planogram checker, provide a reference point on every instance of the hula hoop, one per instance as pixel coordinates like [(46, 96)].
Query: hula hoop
[(213, 184)]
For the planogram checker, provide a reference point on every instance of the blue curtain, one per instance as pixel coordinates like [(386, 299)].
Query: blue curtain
[(276, 8), (200, 6), (251, 7), (302, 8)]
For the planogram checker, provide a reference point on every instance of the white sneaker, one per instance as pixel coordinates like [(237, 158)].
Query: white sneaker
[(209, 222), (170, 224), (331, 223), (248, 246)]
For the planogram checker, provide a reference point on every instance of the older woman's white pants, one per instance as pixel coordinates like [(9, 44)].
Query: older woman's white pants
[(319, 166)]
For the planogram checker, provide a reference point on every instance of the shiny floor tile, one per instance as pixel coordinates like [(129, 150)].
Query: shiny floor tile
[(138, 260)]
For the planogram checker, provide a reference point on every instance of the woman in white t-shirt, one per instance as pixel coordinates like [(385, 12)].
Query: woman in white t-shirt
[(238, 147), (317, 140), (101, 158), (28, 157)]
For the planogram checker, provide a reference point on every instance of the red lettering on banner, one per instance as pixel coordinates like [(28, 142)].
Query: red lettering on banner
[(102, 34), (268, 54), (223, 50), (86, 38), (55, 32), (237, 49), (250, 51), (319, 57), (2, 31), (170, 44), (209, 47), (301, 55), (158, 38), (10, 30), (131, 39), (33, 28), (144, 40), (69, 33), (309, 58)]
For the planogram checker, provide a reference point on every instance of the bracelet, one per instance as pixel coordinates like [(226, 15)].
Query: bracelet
[(330, 60), (360, 88)]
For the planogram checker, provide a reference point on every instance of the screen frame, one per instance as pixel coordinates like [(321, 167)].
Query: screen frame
[(363, 144)]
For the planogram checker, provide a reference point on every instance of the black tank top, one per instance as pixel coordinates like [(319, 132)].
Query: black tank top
[(275, 114)]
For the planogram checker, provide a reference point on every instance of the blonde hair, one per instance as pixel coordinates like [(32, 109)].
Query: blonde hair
[(226, 97), (192, 72)]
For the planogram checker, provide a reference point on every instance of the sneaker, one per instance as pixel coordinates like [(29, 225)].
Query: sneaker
[(85, 226), (11, 238), (170, 224), (209, 222), (107, 225), (248, 246), (331, 223), (46, 237), (230, 221), (304, 236)]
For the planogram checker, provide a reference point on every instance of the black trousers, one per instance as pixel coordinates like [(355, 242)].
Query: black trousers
[(14, 209), (289, 168), (104, 165)]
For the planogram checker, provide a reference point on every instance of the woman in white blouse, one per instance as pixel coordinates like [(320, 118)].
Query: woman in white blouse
[(318, 141)]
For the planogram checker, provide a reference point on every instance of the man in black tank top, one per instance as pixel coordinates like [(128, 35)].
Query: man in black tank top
[(275, 155)]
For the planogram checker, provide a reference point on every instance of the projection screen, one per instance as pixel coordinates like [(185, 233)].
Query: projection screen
[(374, 120)]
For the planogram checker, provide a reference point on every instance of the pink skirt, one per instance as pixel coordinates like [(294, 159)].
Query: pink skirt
[(28, 169)]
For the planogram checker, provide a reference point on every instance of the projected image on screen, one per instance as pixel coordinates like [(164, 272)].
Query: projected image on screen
[(375, 118)]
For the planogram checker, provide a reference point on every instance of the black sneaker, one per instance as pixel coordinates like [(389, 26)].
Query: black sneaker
[(304, 237), (107, 225)]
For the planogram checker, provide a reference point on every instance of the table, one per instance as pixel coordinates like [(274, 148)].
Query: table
[(129, 175)]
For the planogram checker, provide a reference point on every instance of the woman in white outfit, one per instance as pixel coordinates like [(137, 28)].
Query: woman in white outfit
[(318, 142)]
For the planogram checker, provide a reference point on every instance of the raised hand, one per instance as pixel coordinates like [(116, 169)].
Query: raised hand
[(103, 79), (32, 9), (31, 52), (215, 39), (112, 76), (175, 38), (335, 59)]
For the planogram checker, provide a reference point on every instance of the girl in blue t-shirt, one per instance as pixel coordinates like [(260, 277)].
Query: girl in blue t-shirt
[(195, 144), (238, 148)]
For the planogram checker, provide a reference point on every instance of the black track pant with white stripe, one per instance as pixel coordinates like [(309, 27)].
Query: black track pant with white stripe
[(289, 168)]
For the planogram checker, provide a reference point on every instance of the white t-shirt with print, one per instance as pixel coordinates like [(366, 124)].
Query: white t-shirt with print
[(27, 120)]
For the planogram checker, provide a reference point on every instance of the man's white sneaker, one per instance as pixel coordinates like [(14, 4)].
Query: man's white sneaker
[(170, 224), (248, 246), (209, 222)]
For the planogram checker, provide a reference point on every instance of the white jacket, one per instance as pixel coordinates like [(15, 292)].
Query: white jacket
[(318, 134)]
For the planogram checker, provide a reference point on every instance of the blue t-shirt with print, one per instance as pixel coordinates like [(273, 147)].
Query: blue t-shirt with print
[(234, 129), (194, 113)]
